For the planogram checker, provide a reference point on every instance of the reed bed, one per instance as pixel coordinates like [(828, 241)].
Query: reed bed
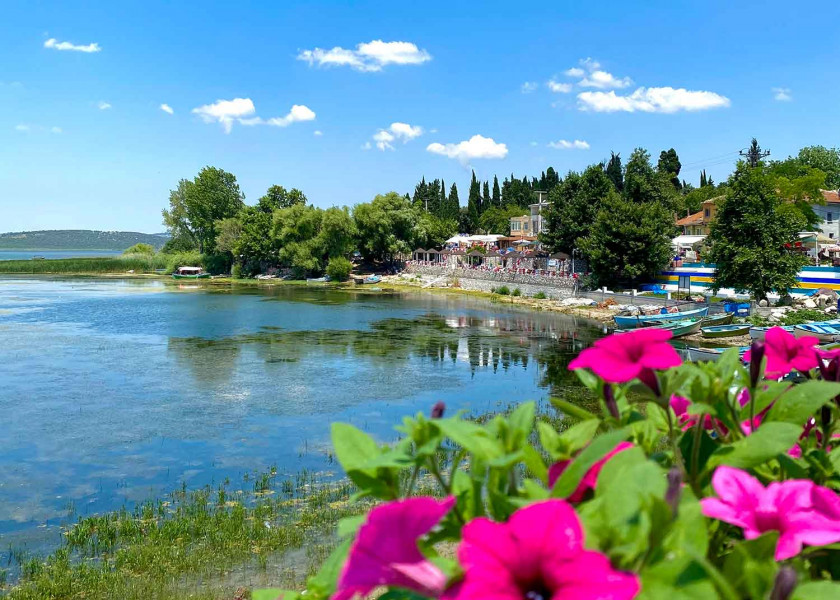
[(139, 263)]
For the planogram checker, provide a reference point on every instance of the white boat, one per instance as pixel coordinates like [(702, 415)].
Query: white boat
[(710, 354), (628, 322), (823, 332), (758, 333)]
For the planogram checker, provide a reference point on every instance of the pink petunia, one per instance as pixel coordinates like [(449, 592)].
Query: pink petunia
[(786, 507), (786, 353), (624, 357), (680, 406), (385, 551), (590, 479), (538, 553)]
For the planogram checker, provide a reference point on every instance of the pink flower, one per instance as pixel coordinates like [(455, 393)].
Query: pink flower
[(785, 352), (786, 507), (385, 550), (680, 406), (537, 554), (590, 480), (626, 356)]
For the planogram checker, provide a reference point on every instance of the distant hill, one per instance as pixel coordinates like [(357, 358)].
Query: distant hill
[(78, 239)]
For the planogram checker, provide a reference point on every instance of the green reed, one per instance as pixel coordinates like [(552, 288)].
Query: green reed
[(139, 263)]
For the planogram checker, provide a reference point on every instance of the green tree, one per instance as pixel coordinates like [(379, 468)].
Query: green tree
[(497, 194), (337, 236), (296, 231), (386, 226), (431, 231), (497, 220), (338, 268), (486, 200), (573, 206), (257, 247), (669, 163), (551, 179), (474, 203), (629, 241), (277, 197), (195, 207), (229, 231), (644, 184), (826, 160), (453, 204), (176, 218), (751, 237), (615, 172), (140, 248)]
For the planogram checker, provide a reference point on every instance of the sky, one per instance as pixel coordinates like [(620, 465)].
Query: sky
[(105, 106)]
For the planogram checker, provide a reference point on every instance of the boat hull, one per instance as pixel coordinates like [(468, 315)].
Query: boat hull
[(200, 276), (643, 320), (824, 334), (722, 331), (713, 321), (758, 333)]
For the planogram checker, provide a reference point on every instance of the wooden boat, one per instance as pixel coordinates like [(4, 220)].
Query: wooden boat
[(368, 279), (628, 322), (721, 331), (722, 319), (710, 354), (682, 328), (824, 333), (190, 273), (757, 333)]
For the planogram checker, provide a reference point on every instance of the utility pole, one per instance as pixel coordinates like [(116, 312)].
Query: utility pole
[(754, 153)]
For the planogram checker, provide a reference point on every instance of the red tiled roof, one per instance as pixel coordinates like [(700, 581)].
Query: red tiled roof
[(831, 196), (695, 219)]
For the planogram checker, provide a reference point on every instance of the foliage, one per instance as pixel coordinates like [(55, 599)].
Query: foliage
[(497, 220), (629, 241), (229, 232), (516, 292), (615, 172), (751, 237), (431, 231), (140, 248), (540, 296), (669, 163), (179, 244), (386, 226), (573, 206), (338, 268), (502, 291), (692, 200), (276, 197), (296, 231), (642, 183), (77, 239), (826, 160)]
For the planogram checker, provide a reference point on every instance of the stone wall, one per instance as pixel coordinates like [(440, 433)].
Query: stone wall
[(485, 281)]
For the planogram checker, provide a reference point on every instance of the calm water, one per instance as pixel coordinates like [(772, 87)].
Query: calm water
[(28, 254), (117, 391)]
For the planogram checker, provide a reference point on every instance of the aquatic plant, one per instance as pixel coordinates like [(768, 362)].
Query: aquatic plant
[(683, 484)]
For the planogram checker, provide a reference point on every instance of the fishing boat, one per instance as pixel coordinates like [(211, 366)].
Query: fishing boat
[(318, 279), (824, 333), (757, 333), (722, 319), (721, 331), (710, 354), (368, 279), (190, 273), (682, 328), (628, 322)]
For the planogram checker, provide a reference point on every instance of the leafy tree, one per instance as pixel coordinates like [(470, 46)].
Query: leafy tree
[(573, 206), (629, 241), (339, 268), (497, 220), (497, 194), (486, 200), (474, 203), (431, 231), (751, 236), (692, 200), (644, 184), (826, 160), (179, 243), (453, 210), (176, 218), (140, 248), (337, 236), (256, 246), (277, 197), (614, 171), (296, 230), (551, 179), (386, 226), (229, 232), (196, 207), (669, 163)]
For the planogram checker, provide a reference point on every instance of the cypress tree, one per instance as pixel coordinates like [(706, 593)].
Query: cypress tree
[(420, 191), (551, 179), (454, 205), (486, 201), (443, 207), (614, 171), (497, 194), (703, 182), (474, 203)]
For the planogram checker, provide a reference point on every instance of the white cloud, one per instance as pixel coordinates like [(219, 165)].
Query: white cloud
[(567, 145), (534, 144), (603, 80), (782, 94), (396, 131), (477, 146), (56, 45), (560, 88), (370, 56), (366, 146), (529, 86), (103, 105), (55, 130), (22, 127), (241, 109), (654, 99), (574, 72), (167, 109), (318, 133)]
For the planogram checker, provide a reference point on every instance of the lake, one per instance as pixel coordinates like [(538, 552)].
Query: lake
[(116, 391), (52, 254)]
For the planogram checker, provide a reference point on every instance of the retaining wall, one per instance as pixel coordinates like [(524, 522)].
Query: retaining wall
[(485, 281)]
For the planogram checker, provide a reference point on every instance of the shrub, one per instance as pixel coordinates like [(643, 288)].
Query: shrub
[(183, 259), (140, 249), (715, 481), (540, 296), (236, 271), (503, 291), (339, 268), (516, 292)]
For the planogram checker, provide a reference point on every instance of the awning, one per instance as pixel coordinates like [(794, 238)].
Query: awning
[(686, 241)]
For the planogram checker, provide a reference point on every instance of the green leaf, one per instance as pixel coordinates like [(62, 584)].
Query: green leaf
[(535, 463), (751, 566), (800, 402), (534, 490), (573, 410), (767, 394), (817, 590), (595, 451), (472, 437), (549, 438), (326, 578), (353, 447), (274, 594), (522, 419), (588, 379), (770, 440), (398, 594), (577, 436), (350, 525)]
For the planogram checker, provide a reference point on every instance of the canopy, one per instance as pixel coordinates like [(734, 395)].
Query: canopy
[(189, 269), (686, 241), (458, 238)]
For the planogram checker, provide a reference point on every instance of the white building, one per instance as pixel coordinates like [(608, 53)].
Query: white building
[(537, 221), (830, 214)]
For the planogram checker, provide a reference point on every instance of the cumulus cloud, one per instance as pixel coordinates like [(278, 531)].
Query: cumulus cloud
[(529, 86), (559, 88), (396, 131), (604, 80), (317, 133), (477, 146), (782, 94), (166, 108), (574, 72), (567, 145), (22, 127), (56, 45), (103, 105), (653, 100), (242, 111), (369, 56)]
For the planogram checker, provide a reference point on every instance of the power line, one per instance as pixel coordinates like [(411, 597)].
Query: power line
[(711, 158), (754, 153)]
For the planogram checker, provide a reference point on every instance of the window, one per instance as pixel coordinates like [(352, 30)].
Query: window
[(829, 217), (526, 225), (831, 235), (706, 214)]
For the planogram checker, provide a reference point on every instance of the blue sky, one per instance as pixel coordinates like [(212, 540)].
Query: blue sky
[(84, 142)]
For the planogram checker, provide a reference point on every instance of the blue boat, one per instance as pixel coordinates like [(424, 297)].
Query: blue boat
[(643, 320), (821, 331), (757, 333)]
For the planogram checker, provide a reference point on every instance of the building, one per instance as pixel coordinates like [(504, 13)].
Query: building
[(520, 225), (700, 222), (829, 213), (537, 221)]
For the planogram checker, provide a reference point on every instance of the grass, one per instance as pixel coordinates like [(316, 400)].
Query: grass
[(794, 317), (540, 296), (139, 263)]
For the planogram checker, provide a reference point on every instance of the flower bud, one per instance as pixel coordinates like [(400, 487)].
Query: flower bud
[(438, 410), (674, 491), (609, 400), (649, 378), (756, 356), (784, 583)]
